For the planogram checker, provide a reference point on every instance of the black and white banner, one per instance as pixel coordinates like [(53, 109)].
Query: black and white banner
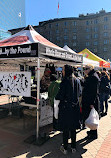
[(25, 50), (15, 83), (57, 54)]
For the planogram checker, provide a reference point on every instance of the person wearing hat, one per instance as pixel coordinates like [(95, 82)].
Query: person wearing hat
[(45, 81)]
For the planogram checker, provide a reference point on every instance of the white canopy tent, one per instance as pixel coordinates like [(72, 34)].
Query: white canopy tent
[(69, 49), (85, 60), (28, 47)]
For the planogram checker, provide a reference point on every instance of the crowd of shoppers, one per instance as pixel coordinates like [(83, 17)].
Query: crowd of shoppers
[(93, 88)]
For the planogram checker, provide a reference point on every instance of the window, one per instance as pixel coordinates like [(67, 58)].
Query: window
[(87, 44), (105, 34), (74, 44), (65, 30), (57, 24), (95, 29), (105, 27), (65, 37), (95, 21), (57, 31), (50, 26), (105, 41), (65, 23), (57, 38), (74, 23), (87, 36), (50, 33), (105, 49), (87, 22), (74, 37), (74, 30), (105, 19), (95, 35), (95, 43), (87, 30)]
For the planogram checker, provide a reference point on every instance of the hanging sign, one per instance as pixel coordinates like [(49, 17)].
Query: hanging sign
[(17, 51), (15, 83), (59, 54)]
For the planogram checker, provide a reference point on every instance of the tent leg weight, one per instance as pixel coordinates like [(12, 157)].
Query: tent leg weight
[(41, 140)]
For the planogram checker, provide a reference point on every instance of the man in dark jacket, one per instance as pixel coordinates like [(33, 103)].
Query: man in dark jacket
[(90, 96), (104, 92)]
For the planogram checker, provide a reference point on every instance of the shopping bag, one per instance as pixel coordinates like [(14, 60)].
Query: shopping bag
[(92, 121), (56, 108)]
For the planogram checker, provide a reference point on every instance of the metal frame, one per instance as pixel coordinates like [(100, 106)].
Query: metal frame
[(38, 94)]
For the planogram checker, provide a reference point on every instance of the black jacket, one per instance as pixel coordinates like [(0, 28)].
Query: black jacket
[(68, 117), (90, 94), (104, 85)]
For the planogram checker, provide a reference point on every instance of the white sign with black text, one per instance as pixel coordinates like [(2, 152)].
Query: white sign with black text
[(15, 83), (63, 55)]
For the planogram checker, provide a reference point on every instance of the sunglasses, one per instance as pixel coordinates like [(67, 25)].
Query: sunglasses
[(86, 68)]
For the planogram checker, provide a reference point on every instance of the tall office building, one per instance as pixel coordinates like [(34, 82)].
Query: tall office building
[(12, 15)]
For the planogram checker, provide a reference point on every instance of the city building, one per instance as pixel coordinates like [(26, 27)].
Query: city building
[(12, 15), (92, 31)]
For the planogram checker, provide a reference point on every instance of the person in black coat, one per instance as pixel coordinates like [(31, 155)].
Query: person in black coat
[(90, 96), (68, 117), (104, 92)]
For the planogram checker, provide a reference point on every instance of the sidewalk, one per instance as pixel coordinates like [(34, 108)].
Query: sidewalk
[(12, 136)]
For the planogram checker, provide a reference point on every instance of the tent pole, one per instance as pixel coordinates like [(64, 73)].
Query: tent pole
[(24, 67), (38, 94), (82, 68)]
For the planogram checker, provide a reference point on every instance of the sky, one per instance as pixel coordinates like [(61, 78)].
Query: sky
[(41, 10)]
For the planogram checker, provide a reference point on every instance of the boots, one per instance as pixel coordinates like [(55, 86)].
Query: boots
[(92, 134)]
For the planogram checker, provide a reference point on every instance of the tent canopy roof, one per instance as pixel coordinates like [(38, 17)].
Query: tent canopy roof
[(89, 55), (69, 49), (27, 35), (30, 44), (85, 60)]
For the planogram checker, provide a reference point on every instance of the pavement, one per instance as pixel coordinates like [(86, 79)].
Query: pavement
[(13, 133)]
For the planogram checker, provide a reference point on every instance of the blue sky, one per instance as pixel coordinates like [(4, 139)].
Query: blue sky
[(41, 10)]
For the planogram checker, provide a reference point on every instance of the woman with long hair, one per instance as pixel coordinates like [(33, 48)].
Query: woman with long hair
[(68, 117)]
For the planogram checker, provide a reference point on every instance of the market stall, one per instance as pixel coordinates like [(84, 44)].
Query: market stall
[(89, 55), (85, 60), (29, 48)]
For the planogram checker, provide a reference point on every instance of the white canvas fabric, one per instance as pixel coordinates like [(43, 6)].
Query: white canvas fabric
[(85, 60)]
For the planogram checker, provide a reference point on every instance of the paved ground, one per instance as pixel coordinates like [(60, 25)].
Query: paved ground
[(13, 133)]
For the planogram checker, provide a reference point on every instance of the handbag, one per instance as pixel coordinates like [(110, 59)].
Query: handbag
[(92, 121)]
